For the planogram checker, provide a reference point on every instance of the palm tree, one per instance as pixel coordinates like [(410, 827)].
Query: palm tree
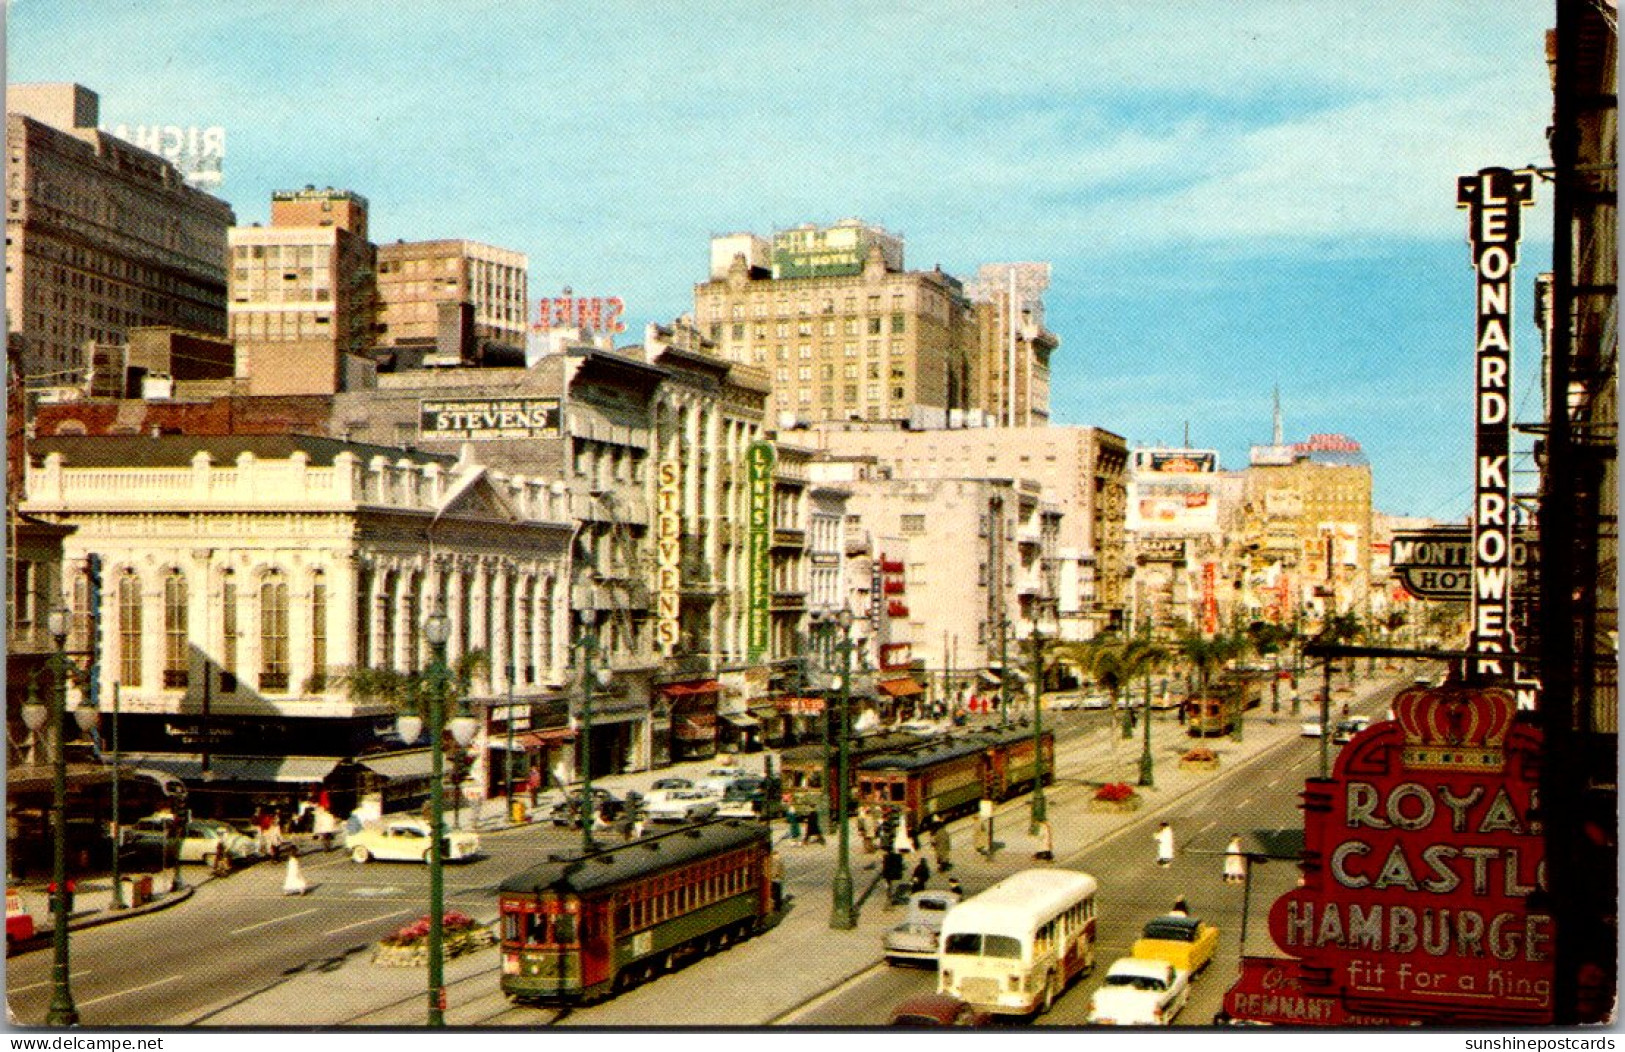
[(1208, 654), (1115, 663)]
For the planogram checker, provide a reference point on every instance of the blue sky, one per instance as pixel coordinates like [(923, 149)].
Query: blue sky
[(1233, 196)]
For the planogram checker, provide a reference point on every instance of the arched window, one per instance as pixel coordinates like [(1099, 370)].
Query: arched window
[(318, 632), (384, 611), (129, 630), (274, 632), (177, 643)]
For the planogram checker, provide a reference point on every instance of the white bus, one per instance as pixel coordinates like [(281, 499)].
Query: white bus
[(1015, 947)]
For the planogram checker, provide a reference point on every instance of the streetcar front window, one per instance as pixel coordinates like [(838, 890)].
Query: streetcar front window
[(564, 929), (536, 933)]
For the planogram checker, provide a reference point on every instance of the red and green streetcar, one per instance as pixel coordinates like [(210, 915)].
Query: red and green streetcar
[(579, 928), (951, 776)]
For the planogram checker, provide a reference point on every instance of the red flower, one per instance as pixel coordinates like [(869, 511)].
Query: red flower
[(1114, 791)]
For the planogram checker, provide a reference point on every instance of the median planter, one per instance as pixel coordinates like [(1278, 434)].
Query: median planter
[(1117, 796), (1199, 759), (409, 947)]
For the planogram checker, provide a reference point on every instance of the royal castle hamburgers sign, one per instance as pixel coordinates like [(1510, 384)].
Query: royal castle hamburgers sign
[(1423, 870)]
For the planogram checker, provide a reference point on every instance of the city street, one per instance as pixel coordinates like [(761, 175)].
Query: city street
[(306, 960)]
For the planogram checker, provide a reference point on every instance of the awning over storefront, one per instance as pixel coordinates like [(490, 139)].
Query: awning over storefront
[(739, 719), (532, 741), (677, 690), (239, 768), (990, 677), (415, 764), (899, 688)]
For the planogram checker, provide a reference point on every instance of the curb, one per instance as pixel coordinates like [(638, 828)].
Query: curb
[(44, 937)]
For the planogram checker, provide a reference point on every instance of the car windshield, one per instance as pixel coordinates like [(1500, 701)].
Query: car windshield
[(1137, 982), (972, 944)]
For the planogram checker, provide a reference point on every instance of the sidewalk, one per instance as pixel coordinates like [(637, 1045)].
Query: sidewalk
[(769, 979)]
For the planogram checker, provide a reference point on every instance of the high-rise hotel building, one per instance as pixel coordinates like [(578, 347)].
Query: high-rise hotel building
[(101, 237), (843, 331), (424, 286)]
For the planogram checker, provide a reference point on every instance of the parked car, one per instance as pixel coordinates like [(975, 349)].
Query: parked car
[(407, 840), (1311, 728), (924, 728), (672, 783), (154, 838), (938, 1010), (717, 780), (568, 811), (1139, 992), (19, 925), (1095, 700), (1184, 942), (1348, 727), (680, 805), (916, 938)]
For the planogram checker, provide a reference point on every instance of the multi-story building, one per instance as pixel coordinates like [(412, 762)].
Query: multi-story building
[(423, 286), (304, 294), (246, 579), (843, 330), (1010, 377), (101, 237), (1308, 511), (1081, 470)]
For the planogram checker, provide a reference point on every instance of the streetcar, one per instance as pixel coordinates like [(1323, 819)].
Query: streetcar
[(1217, 711), (950, 777), (578, 928), (808, 769)]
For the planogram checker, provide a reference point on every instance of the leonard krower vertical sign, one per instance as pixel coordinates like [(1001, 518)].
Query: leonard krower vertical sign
[(759, 461), (1494, 199)]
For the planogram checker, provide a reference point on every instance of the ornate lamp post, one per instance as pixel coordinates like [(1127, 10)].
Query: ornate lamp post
[(842, 917), (62, 1011), (1147, 774), (118, 834), (1040, 807), (437, 629), (589, 681)]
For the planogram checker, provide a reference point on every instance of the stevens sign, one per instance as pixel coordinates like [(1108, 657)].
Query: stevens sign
[(1422, 856), (488, 418)]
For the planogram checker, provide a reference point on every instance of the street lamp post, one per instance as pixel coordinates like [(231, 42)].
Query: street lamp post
[(118, 834), (589, 680), (842, 917), (1004, 675), (1147, 775), (437, 629), (62, 1011), (1040, 807), (507, 756), (1325, 714)]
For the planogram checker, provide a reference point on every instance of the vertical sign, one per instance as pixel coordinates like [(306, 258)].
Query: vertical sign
[(759, 460), (1494, 199), (1210, 598), (668, 554)]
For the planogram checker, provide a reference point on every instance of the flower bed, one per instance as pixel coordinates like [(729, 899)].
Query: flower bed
[(1115, 796), (409, 947), (1200, 758)]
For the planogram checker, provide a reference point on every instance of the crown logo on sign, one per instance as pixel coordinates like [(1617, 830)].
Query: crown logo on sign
[(1454, 728)]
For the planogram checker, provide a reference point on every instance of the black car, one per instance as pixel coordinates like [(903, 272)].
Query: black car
[(567, 812)]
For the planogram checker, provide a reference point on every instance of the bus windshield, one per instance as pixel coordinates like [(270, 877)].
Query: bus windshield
[(972, 944)]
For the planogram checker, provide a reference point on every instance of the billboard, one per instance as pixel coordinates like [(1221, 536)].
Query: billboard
[(1178, 461), (1171, 504), (487, 419)]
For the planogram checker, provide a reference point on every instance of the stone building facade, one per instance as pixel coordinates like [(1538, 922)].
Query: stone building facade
[(417, 280), (101, 237)]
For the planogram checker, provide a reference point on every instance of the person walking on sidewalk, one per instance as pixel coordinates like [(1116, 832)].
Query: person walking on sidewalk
[(1164, 837), (942, 846), (815, 832), (1046, 843), (891, 871), (921, 876), (1235, 862), (792, 818)]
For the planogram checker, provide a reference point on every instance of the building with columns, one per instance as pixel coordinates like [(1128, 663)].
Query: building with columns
[(245, 579)]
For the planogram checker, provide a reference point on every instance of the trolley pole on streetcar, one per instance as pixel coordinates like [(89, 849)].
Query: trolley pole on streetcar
[(841, 915)]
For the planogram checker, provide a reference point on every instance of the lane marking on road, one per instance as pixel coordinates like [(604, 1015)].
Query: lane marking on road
[(276, 920), (830, 994), (371, 920), (1210, 825), (1245, 802), (131, 990), (47, 982)]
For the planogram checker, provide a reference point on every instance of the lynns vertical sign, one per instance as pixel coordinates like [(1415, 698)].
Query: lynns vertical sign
[(1494, 199)]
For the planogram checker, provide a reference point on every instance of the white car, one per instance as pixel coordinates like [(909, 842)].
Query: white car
[(1095, 701), (1138, 992), (916, 938), (924, 728), (407, 840), (717, 780), (1311, 728), (680, 805)]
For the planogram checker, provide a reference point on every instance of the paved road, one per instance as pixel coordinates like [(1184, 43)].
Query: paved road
[(239, 953), (1261, 793)]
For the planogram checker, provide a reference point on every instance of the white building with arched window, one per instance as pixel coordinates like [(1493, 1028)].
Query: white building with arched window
[(245, 578)]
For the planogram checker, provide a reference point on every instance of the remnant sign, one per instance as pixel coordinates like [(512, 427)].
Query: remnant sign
[(488, 418)]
